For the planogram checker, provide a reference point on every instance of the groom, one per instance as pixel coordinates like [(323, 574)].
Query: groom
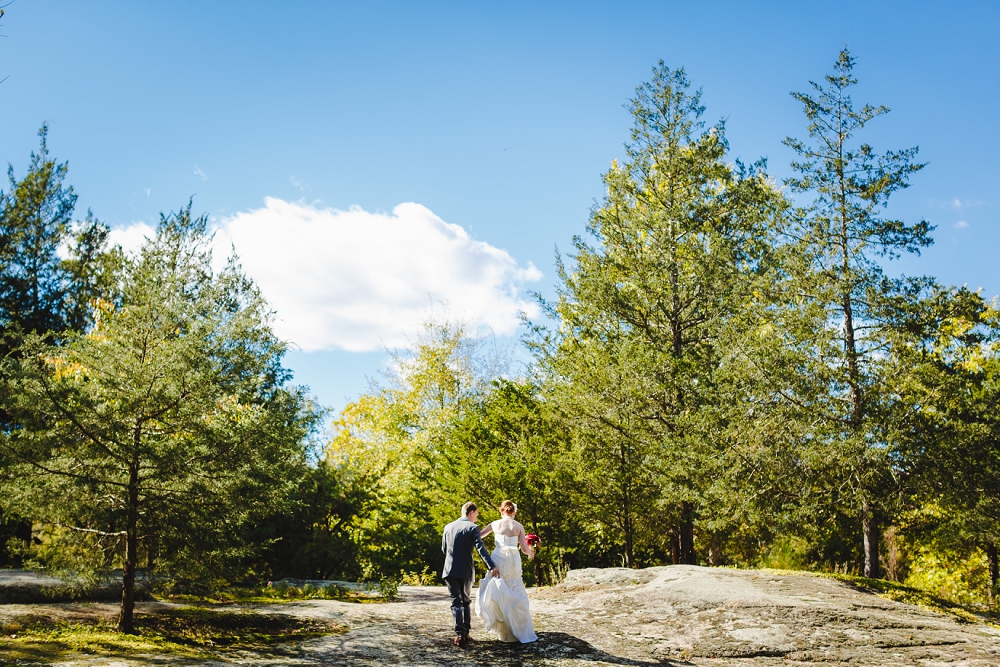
[(460, 536)]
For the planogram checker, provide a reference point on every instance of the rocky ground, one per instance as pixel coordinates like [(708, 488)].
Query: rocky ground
[(678, 615)]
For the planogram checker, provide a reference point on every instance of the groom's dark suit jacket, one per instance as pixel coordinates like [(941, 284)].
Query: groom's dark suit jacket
[(460, 537)]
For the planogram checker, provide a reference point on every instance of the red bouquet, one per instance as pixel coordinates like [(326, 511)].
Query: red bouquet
[(532, 540)]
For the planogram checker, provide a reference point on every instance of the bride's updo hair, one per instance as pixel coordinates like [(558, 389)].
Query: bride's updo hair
[(508, 507)]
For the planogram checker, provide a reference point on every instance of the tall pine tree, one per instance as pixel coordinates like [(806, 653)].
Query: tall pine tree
[(838, 240), (677, 236), (51, 271), (165, 428)]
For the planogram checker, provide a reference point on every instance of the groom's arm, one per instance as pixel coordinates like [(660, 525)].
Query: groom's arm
[(481, 548)]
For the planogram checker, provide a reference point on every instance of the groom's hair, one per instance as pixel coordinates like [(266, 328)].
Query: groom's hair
[(468, 507)]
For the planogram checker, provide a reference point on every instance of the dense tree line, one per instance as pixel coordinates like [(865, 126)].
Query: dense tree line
[(729, 373), (146, 413)]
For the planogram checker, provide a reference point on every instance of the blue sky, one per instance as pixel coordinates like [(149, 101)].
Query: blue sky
[(496, 119)]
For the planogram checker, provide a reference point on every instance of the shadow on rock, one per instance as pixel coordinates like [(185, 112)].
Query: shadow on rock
[(550, 646)]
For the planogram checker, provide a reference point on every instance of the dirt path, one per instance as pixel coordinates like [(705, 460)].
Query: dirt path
[(680, 615)]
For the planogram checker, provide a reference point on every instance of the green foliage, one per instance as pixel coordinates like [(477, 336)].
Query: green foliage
[(506, 445), (387, 442), (730, 379), (679, 240), (387, 587), (846, 317), (43, 290), (725, 377), (35, 216), (308, 536), (284, 590), (786, 553), (961, 577), (165, 425), (951, 439), (39, 291), (423, 578)]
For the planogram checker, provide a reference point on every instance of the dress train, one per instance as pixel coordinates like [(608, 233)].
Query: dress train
[(502, 602)]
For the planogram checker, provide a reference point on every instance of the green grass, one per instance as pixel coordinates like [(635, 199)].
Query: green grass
[(281, 592), (64, 641), (182, 632)]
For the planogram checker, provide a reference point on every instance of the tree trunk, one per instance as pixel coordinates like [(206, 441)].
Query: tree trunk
[(629, 558), (869, 523), (125, 623), (892, 564), (687, 534), (675, 545), (627, 520), (715, 557), (869, 526), (991, 554)]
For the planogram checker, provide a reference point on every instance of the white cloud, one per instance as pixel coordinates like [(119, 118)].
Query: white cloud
[(358, 281), (961, 224), (965, 203), (132, 237), (199, 173)]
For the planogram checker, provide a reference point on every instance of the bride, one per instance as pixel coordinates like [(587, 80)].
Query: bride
[(502, 602)]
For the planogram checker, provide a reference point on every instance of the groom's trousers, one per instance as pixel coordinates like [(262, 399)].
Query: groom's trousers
[(460, 591)]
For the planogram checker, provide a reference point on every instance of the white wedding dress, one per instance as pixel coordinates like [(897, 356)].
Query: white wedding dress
[(502, 602)]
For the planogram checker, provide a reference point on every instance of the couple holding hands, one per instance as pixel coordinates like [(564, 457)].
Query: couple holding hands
[(502, 601)]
